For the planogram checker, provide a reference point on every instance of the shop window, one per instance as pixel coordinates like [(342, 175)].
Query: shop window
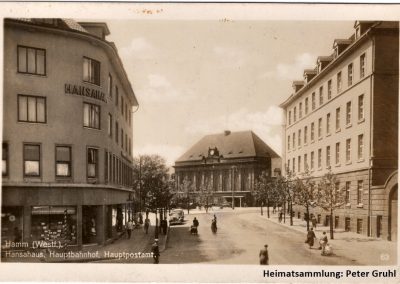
[(31, 60), (4, 165), (91, 71), (31, 160), (91, 115), (92, 163), (63, 161), (31, 109), (11, 224), (54, 223)]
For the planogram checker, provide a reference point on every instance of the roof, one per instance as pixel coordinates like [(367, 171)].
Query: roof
[(68, 24), (234, 145)]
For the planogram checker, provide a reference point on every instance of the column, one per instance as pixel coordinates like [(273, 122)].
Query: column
[(27, 215), (101, 221), (239, 186), (79, 225), (220, 181)]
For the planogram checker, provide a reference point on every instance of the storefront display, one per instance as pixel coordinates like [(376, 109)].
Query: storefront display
[(11, 225)]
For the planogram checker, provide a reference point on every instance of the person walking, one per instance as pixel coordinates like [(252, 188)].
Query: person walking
[(129, 227), (323, 242), (263, 255), (310, 238), (156, 252), (314, 222), (280, 217), (146, 225)]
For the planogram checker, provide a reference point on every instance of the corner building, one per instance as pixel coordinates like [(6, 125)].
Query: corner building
[(343, 117), (67, 134)]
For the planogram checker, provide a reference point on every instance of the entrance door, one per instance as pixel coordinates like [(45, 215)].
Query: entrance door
[(378, 226), (393, 214)]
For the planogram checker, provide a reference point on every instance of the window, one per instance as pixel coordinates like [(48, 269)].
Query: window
[(300, 110), (359, 226), (31, 60), (122, 105), (328, 156), (305, 162), (305, 134), (320, 128), (91, 71), (360, 147), (288, 165), (116, 131), (337, 155), (362, 66), (350, 74), (294, 114), (306, 106), (312, 131), (129, 118), (348, 150), (360, 189), (126, 112), (31, 160), (348, 113), (122, 138), (319, 158), (313, 101), (329, 89), (328, 124), (321, 95), (4, 165), (338, 119), (91, 115), (116, 95), (294, 140), (109, 127), (312, 160), (299, 139), (347, 195), (290, 117), (294, 165), (110, 85), (339, 82), (129, 147), (31, 109), (288, 142), (360, 107), (337, 191), (92, 162), (299, 163), (63, 161)]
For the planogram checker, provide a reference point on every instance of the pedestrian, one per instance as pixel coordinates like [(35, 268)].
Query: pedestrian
[(314, 222), (263, 255), (280, 217), (156, 252), (274, 209), (129, 227), (310, 238), (146, 225), (195, 222), (323, 242), (140, 218)]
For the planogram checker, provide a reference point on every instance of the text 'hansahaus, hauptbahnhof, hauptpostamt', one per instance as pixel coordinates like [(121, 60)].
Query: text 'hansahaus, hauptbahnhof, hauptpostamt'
[(67, 135)]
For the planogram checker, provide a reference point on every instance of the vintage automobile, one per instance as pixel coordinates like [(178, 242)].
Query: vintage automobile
[(177, 216)]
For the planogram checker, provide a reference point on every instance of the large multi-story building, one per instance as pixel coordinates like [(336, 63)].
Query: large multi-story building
[(225, 166), (67, 133), (343, 117)]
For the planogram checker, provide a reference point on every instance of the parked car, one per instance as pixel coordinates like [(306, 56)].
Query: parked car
[(177, 216)]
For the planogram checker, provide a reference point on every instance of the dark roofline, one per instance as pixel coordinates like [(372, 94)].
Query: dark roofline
[(341, 56), (96, 24)]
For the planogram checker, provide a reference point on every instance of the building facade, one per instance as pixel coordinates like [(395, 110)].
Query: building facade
[(343, 117), (224, 167), (67, 134)]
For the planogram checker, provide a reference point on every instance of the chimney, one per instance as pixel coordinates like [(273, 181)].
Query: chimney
[(227, 132), (297, 85)]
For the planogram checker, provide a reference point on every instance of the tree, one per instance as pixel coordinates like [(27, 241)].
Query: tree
[(330, 197), (151, 180), (286, 188), (305, 194), (206, 191), (264, 190)]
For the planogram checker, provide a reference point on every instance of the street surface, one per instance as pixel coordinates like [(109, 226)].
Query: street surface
[(239, 238)]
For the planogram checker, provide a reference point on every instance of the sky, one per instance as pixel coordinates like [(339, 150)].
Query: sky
[(199, 77)]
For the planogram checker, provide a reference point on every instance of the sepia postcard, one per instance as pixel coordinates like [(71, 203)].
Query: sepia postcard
[(199, 142)]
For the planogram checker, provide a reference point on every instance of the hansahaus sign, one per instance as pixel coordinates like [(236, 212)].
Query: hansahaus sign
[(85, 92)]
